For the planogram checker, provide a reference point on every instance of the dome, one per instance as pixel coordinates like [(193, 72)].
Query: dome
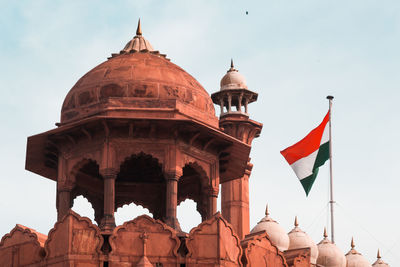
[(233, 79), (276, 233), (355, 259), (137, 79), (379, 262), (329, 255), (299, 239)]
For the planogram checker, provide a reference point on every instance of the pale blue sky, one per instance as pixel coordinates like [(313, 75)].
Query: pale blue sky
[(293, 53)]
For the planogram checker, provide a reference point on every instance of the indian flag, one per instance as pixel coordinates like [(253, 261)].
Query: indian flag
[(307, 155)]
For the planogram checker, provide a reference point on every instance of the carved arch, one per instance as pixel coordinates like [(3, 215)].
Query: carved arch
[(89, 184), (144, 206), (77, 167), (194, 184), (95, 203), (125, 150), (140, 165), (141, 180)]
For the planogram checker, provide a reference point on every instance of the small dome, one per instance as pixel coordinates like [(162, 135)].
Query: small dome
[(299, 239), (233, 79), (329, 255), (355, 259), (379, 262), (276, 233)]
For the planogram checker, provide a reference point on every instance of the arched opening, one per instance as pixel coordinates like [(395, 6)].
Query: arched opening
[(90, 185), (83, 207), (194, 185), (129, 212), (141, 180), (188, 216)]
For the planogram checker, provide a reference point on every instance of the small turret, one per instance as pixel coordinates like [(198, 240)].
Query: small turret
[(236, 123), (233, 99), (233, 93)]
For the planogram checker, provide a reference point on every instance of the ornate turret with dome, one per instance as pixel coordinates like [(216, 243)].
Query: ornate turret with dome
[(379, 262), (233, 93), (355, 259), (276, 233), (329, 255), (299, 239), (139, 122), (236, 123)]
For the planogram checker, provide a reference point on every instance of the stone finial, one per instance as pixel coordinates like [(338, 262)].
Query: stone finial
[(266, 210), (352, 243), (296, 223), (232, 68), (379, 254), (325, 233), (139, 29), (139, 44)]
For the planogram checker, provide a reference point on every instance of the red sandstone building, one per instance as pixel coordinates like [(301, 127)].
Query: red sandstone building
[(138, 128)]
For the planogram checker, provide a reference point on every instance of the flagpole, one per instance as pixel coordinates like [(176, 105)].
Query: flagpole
[(331, 202)]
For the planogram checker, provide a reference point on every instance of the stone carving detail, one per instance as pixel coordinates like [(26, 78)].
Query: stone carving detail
[(127, 242), (223, 245), (111, 90), (22, 246), (74, 235), (298, 257), (259, 251)]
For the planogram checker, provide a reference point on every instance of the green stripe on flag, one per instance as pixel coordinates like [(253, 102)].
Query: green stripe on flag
[(309, 181), (322, 157)]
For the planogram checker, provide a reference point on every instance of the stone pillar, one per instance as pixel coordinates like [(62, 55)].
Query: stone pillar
[(235, 203), (240, 102), (246, 103), (212, 202), (64, 202), (108, 221), (221, 104), (229, 102), (172, 200)]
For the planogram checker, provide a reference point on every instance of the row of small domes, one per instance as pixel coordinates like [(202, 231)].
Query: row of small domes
[(325, 253)]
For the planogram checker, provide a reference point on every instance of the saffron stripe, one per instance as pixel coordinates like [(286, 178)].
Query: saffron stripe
[(307, 145)]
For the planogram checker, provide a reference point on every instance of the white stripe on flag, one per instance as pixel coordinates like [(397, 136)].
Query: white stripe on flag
[(304, 166), (325, 135)]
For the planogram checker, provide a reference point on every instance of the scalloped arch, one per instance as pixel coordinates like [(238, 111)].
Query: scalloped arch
[(79, 165)]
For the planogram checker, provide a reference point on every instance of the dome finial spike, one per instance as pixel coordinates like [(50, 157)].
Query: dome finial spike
[(232, 66), (139, 29), (325, 233), (352, 243), (266, 210), (296, 223), (379, 254)]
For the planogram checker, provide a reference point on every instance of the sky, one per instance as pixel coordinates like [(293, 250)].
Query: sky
[(293, 53)]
